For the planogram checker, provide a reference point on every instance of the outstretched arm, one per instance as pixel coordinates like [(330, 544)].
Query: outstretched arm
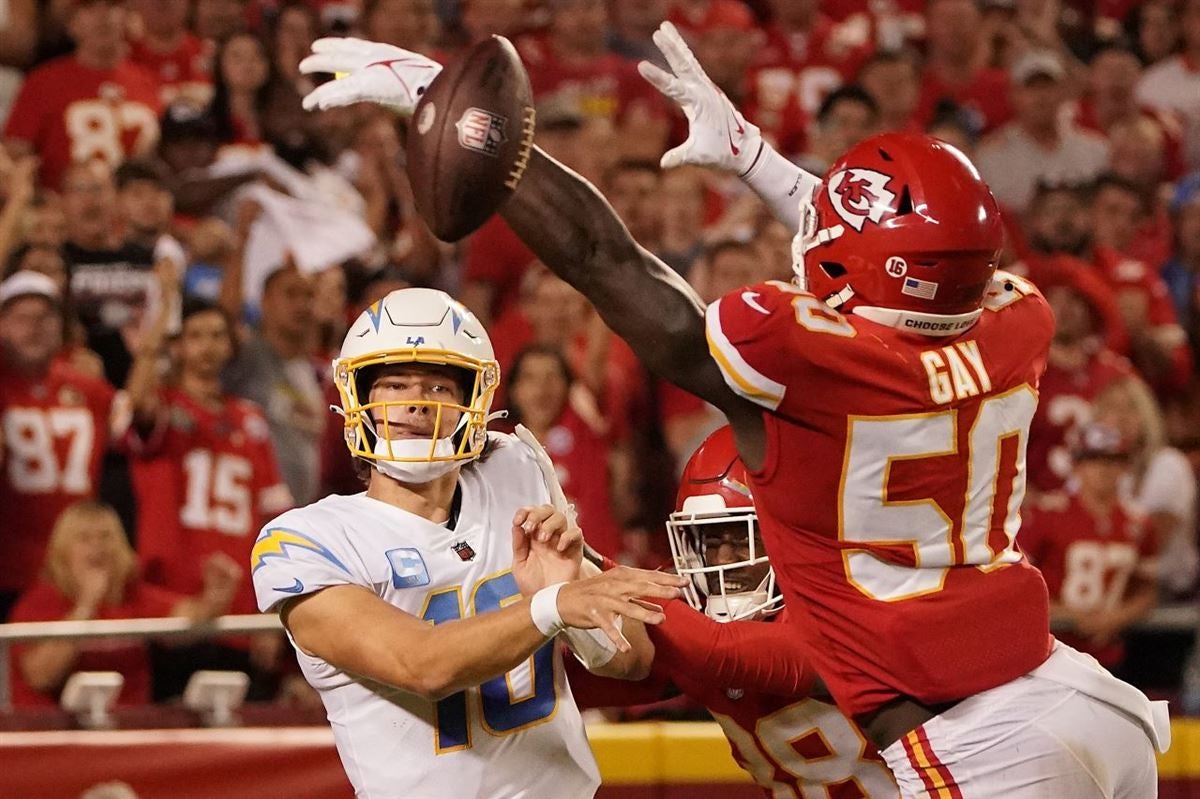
[(574, 231)]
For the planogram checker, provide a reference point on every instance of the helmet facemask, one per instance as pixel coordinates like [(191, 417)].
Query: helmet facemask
[(374, 431), (742, 588)]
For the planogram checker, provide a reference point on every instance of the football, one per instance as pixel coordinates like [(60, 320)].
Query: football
[(470, 137)]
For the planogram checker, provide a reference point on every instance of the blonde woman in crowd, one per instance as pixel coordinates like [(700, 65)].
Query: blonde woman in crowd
[(1160, 479), (91, 572)]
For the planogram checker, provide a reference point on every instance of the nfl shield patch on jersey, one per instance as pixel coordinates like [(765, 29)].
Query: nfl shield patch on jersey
[(408, 568)]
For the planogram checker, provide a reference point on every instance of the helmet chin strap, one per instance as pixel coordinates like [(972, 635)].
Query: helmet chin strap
[(413, 470)]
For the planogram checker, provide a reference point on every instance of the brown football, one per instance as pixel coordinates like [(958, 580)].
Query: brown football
[(469, 139)]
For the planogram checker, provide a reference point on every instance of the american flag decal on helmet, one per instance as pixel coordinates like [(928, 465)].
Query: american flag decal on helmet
[(921, 289)]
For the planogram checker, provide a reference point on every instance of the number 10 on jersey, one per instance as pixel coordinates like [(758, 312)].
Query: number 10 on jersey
[(502, 708)]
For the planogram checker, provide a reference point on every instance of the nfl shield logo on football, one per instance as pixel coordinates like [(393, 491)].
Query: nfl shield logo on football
[(481, 131), (408, 568)]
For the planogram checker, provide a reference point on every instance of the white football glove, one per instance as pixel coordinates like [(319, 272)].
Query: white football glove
[(718, 135), (370, 72)]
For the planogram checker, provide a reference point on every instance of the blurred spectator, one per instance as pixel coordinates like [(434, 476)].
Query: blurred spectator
[(570, 66), (275, 369), (1154, 29), (165, 47), (94, 104), (953, 70), (1173, 84), (1038, 145), (483, 18), (1110, 100), (1138, 156), (17, 180), (633, 23), (295, 26), (1182, 272), (55, 424), (410, 24), (1098, 556), (725, 39), (680, 200), (111, 277), (243, 80), (894, 83), (146, 204), (1079, 366), (1159, 345), (18, 43), (91, 572), (1160, 481), (204, 472), (846, 117), (632, 188), (564, 416), (217, 20), (952, 124)]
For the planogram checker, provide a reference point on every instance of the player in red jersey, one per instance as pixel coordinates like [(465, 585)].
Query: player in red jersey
[(881, 404), (55, 424), (1097, 554), (791, 743), (203, 466), (92, 104)]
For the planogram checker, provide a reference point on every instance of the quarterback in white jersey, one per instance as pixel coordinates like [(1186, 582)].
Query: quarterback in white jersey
[(409, 604)]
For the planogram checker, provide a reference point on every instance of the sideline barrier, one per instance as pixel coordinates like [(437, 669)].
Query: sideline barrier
[(643, 760)]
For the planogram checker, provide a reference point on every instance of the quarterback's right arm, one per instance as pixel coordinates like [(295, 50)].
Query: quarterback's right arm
[(719, 137)]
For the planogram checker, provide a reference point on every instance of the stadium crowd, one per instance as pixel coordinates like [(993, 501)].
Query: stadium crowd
[(183, 248)]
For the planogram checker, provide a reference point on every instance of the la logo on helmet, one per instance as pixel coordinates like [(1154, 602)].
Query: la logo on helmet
[(860, 194)]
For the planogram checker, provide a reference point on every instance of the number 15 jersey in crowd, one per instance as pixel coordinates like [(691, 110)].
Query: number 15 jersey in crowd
[(517, 736), (890, 495)]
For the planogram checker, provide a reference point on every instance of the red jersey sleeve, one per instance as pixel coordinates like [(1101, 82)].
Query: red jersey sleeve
[(272, 496), (592, 691), (752, 335), (763, 656)]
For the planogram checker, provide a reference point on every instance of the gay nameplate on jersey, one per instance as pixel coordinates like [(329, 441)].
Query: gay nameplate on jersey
[(408, 568)]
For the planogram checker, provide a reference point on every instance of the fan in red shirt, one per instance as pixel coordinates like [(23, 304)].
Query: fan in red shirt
[(56, 425), (1080, 364), (1097, 555), (91, 573), (203, 467), (92, 104), (180, 60), (564, 416), (732, 651), (952, 69), (570, 66)]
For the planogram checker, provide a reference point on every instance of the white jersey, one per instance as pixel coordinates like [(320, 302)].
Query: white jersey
[(517, 735)]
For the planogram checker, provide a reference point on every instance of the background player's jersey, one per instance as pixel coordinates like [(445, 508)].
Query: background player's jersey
[(890, 493), (793, 745), (206, 480), (1089, 564), (54, 432), (517, 736)]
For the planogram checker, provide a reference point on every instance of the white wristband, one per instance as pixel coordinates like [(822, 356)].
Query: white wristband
[(781, 185), (544, 610)]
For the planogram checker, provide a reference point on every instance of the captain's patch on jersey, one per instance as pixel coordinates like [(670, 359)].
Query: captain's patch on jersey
[(408, 568)]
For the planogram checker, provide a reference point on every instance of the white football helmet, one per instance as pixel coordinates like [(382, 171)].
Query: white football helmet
[(421, 326)]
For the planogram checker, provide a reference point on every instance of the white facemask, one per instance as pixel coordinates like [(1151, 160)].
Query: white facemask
[(414, 471)]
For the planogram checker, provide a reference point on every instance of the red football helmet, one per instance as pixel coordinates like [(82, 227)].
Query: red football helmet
[(903, 232), (714, 536)]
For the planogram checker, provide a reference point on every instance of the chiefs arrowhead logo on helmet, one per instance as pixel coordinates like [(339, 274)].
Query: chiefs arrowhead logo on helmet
[(860, 194)]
